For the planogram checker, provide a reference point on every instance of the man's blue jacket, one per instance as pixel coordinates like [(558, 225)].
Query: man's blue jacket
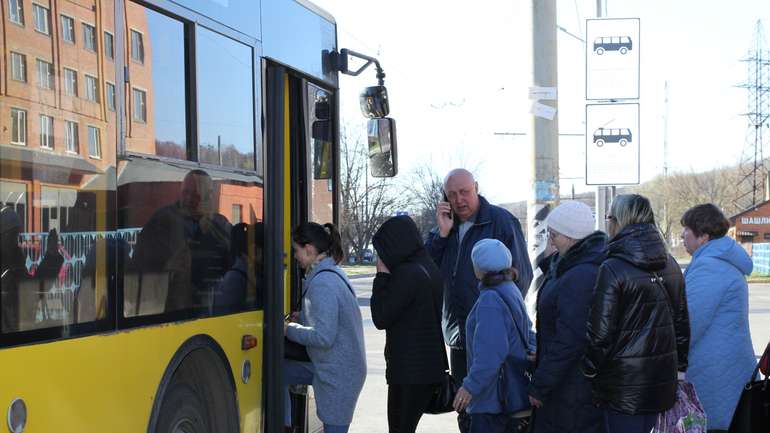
[(454, 259)]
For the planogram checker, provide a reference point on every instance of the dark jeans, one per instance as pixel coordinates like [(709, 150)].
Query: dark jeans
[(406, 404), (459, 369), (489, 423), (616, 422)]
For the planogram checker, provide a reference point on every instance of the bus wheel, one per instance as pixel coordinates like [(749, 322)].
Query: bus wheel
[(623, 50), (600, 51), (623, 142), (183, 412), (599, 143)]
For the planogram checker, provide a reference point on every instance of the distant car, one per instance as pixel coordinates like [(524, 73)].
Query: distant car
[(367, 256), (622, 136), (621, 44)]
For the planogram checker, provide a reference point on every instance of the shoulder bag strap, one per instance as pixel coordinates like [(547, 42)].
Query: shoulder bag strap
[(438, 319), (337, 274)]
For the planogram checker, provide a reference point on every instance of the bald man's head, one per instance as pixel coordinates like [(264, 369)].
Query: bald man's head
[(462, 191)]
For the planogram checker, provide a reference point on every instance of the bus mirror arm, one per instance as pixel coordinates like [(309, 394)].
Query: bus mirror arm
[(339, 61)]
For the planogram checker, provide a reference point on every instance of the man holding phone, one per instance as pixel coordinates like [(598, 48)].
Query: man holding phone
[(465, 217)]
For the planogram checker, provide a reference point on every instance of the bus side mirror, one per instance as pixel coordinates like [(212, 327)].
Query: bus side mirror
[(374, 102), (383, 161)]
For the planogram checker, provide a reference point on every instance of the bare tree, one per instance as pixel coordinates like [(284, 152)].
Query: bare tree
[(366, 202), (425, 189)]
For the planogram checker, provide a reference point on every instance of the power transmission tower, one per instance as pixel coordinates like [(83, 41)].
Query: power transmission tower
[(751, 187)]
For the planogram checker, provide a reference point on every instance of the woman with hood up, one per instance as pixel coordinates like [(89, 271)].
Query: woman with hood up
[(406, 303)]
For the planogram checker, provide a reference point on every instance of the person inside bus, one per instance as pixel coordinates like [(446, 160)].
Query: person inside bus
[(189, 241), (13, 269), (329, 326), (233, 292)]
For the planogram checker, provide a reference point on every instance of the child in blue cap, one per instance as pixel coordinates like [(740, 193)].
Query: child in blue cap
[(498, 342)]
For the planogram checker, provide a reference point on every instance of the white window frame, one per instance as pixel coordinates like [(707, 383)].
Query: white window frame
[(45, 82), (88, 88), (134, 105), (112, 44), (107, 84), (131, 46), (71, 141), (86, 40), (22, 66), (66, 81), (46, 132), (98, 154), (36, 21), (62, 18), (18, 14), (22, 128)]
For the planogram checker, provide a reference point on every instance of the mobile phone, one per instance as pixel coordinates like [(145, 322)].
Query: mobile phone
[(451, 212)]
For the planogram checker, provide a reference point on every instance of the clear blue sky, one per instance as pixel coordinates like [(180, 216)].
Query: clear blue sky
[(458, 74)]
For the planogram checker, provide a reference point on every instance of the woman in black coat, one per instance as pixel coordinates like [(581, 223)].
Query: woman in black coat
[(559, 391), (638, 328), (406, 302)]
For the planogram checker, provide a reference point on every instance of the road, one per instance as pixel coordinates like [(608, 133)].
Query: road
[(371, 412)]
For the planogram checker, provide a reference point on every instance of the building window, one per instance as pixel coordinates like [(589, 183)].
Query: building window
[(137, 47), (44, 74), (94, 143), (89, 37), (109, 45), (71, 136), (140, 105), (237, 210), (92, 88), (46, 131), (110, 96), (68, 29), (16, 8), (42, 16), (18, 126), (19, 67), (70, 82)]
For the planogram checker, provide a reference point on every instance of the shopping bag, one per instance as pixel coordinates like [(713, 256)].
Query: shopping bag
[(753, 411), (687, 415)]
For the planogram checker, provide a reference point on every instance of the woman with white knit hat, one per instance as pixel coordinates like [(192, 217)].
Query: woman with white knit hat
[(559, 391)]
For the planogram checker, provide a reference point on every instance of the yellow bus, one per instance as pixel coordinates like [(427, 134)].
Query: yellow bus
[(154, 156)]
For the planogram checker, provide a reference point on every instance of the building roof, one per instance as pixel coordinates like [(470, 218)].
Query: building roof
[(751, 209)]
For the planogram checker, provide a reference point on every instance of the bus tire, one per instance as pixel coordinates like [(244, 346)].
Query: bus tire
[(183, 412), (623, 50)]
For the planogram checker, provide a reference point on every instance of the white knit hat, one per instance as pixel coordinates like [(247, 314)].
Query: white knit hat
[(573, 219)]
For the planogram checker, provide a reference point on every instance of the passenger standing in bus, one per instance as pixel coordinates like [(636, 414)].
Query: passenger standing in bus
[(329, 326), (721, 352), (559, 391), (463, 218), (638, 327), (499, 333), (406, 303), (13, 271), (189, 241)]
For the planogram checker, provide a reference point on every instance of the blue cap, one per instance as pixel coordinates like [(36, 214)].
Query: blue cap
[(490, 255)]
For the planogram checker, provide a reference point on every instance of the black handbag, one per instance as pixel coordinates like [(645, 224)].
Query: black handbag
[(753, 411), (443, 396), (294, 351)]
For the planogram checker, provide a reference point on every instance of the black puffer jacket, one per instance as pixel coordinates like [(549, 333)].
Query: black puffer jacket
[(638, 333), (407, 304)]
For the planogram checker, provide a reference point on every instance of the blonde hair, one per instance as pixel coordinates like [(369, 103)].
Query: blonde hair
[(628, 209)]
